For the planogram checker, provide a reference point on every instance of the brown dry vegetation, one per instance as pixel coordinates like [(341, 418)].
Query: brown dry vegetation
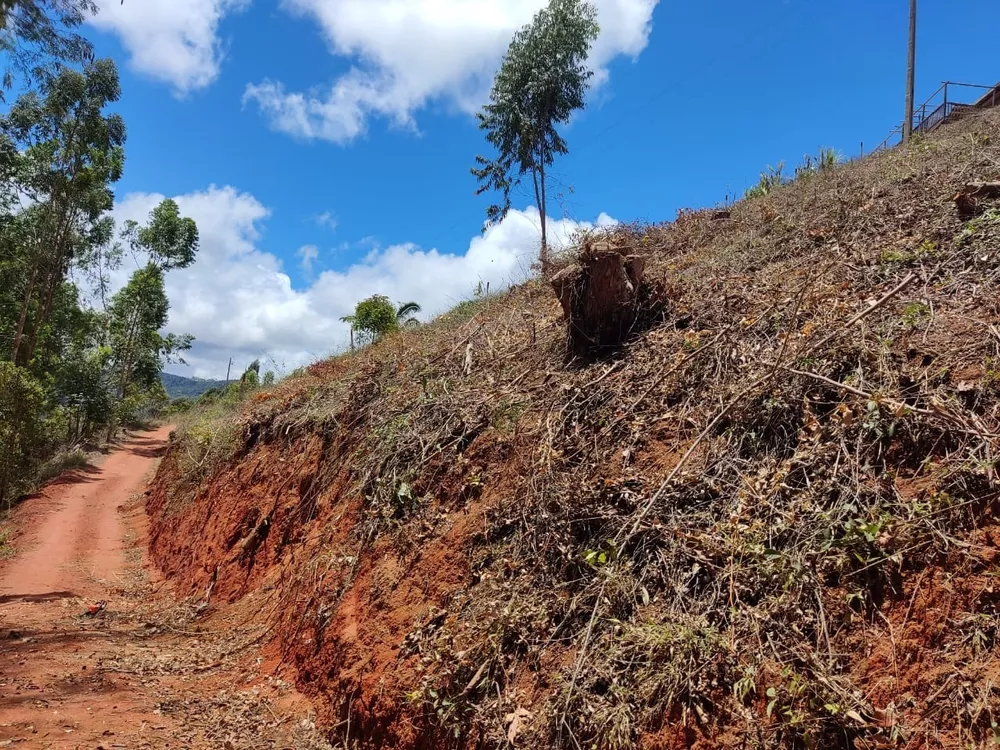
[(766, 521)]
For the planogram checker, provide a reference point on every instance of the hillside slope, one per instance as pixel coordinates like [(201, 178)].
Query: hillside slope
[(767, 521), (178, 386)]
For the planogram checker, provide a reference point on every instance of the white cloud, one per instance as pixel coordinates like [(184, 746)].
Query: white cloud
[(307, 256), (327, 220), (238, 301), (407, 53), (174, 41)]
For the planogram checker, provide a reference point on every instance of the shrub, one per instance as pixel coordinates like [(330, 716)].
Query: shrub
[(21, 428)]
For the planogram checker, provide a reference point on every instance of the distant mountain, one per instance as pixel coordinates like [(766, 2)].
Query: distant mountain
[(178, 386)]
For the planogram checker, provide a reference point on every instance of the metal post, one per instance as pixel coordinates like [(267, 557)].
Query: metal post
[(910, 73)]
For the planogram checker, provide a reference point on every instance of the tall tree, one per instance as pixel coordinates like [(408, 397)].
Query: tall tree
[(139, 311), (70, 153), (136, 315), (542, 80)]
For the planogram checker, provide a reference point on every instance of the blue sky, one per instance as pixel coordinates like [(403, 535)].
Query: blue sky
[(344, 127)]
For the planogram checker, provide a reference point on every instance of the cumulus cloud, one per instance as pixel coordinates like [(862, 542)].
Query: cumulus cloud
[(238, 301), (406, 53), (174, 41)]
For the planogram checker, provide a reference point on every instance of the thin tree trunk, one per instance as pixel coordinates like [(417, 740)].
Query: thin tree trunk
[(57, 273), (29, 292), (543, 256), (44, 312), (62, 228)]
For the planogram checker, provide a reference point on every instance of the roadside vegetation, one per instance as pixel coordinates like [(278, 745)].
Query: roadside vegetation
[(76, 362)]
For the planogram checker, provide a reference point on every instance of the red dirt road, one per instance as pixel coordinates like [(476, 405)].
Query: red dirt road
[(146, 672), (75, 534)]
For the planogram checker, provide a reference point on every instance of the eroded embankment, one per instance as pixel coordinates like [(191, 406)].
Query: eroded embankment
[(767, 520)]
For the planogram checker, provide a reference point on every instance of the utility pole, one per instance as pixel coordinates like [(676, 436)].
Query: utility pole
[(910, 71), (228, 370)]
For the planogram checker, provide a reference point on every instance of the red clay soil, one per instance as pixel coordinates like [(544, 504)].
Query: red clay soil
[(126, 676), (306, 557)]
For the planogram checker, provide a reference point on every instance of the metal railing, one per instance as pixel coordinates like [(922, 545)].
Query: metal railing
[(943, 107)]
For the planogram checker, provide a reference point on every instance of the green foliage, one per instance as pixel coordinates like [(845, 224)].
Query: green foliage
[(68, 152), (405, 315), (180, 406), (916, 314), (21, 432), (69, 371), (542, 80), (251, 378), (825, 160), (769, 181), (178, 386), (138, 312), (34, 32), (924, 251), (376, 316), (989, 218), (170, 240)]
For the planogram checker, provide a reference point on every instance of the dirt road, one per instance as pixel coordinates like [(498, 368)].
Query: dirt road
[(144, 672)]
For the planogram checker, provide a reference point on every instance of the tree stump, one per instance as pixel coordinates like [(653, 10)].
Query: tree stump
[(602, 295)]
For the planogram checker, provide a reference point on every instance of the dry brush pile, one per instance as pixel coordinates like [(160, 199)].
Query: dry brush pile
[(729, 530)]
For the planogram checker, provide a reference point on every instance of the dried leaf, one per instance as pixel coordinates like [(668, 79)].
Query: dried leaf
[(516, 721)]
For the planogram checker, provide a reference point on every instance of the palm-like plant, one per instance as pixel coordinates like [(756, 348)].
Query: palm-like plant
[(405, 315)]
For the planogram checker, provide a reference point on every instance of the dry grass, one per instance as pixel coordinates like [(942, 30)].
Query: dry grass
[(60, 463), (693, 530)]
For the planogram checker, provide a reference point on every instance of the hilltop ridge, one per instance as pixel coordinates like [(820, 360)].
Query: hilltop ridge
[(178, 386)]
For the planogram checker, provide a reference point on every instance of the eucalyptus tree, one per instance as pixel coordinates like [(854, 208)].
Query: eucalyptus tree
[(139, 311), (542, 80), (70, 152)]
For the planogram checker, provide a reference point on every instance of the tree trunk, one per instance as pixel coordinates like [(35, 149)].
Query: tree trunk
[(602, 296), (543, 255), (25, 304)]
